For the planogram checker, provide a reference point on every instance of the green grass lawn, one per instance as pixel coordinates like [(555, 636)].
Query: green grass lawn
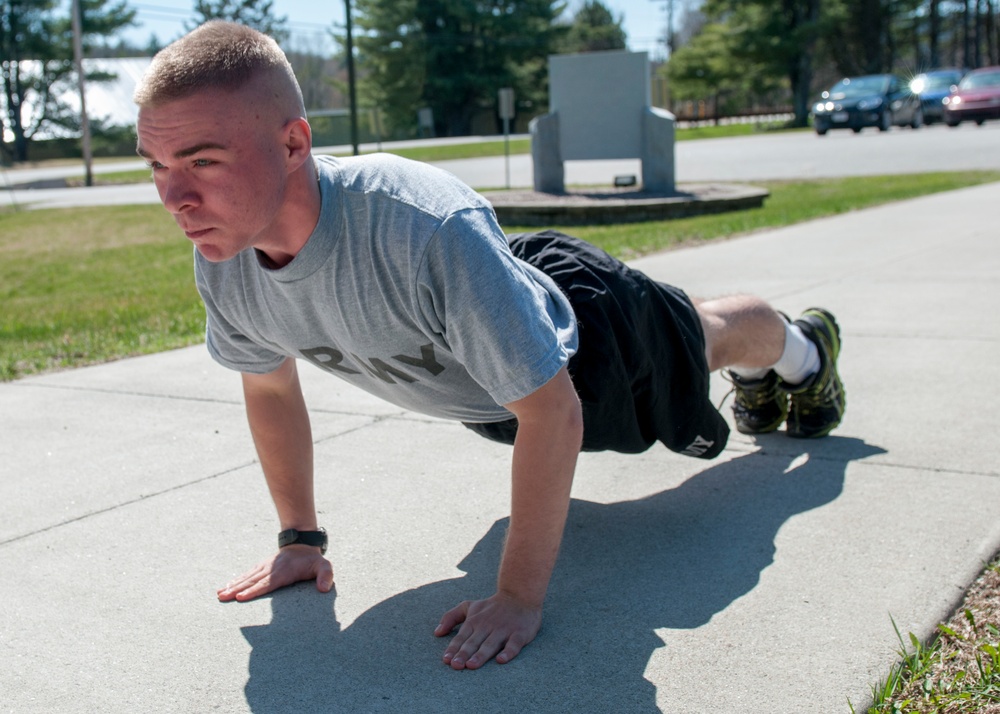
[(89, 285)]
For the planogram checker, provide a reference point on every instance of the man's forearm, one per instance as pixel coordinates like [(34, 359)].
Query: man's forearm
[(279, 423), (544, 460)]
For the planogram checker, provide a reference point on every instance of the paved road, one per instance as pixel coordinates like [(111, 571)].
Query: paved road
[(785, 155)]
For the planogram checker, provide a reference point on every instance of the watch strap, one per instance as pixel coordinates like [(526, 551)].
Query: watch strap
[(291, 536)]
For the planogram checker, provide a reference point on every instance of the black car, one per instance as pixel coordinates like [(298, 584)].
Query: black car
[(932, 87), (880, 100)]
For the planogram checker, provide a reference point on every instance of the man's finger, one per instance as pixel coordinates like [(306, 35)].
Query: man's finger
[(232, 591), (489, 647), (261, 587), (324, 579), (236, 582), (451, 619), (239, 583), (465, 645), (514, 646)]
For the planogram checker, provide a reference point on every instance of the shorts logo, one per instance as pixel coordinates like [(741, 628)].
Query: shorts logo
[(698, 447)]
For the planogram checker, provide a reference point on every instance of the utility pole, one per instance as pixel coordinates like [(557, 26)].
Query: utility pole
[(669, 7), (84, 120), (351, 88)]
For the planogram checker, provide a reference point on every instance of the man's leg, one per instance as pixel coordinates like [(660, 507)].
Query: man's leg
[(741, 331), (781, 370)]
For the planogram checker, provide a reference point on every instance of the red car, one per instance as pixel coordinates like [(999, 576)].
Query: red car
[(977, 98)]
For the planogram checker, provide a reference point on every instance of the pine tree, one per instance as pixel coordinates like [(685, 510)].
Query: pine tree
[(257, 14), (452, 56), (36, 60)]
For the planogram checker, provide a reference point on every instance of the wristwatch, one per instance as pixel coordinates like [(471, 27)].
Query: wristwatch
[(316, 539)]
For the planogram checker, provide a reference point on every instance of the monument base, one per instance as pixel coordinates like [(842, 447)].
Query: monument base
[(583, 207)]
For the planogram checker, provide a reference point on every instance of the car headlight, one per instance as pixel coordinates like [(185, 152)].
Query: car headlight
[(873, 103), (951, 101), (819, 108)]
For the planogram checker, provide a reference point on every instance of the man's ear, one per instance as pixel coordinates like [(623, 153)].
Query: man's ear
[(298, 142)]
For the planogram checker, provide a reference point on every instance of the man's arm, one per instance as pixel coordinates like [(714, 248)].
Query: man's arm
[(549, 434), (279, 423)]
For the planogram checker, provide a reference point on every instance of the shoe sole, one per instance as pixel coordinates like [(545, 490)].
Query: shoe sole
[(770, 428)]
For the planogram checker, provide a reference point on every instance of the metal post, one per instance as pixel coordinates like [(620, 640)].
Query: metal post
[(505, 105), (352, 90), (669, 7), (84, 120)]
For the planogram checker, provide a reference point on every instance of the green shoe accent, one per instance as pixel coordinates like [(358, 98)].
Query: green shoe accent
[(816, 407)]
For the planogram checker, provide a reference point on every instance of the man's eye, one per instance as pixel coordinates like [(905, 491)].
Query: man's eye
[(154, 165), (203, 162)]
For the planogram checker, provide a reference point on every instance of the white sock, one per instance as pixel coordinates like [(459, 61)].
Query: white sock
[(800, 358), (798, 361)]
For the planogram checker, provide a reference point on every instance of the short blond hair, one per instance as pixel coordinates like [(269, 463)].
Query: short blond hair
[(216, 55)]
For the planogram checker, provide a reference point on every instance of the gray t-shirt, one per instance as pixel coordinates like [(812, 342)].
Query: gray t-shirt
[(406, 289)]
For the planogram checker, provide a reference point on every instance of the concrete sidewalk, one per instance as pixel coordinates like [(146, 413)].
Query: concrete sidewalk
[(763, 581)]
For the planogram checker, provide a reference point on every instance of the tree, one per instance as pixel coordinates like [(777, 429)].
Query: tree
[(317, 74), (153, 44), (691, 23), (257, 14), (23, 25), (36, 61), (864, 35), (779, 37), (594, 29), (703, 67), (452, 56)]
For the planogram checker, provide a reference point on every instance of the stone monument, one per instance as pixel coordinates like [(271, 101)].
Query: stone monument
[(600, 108)]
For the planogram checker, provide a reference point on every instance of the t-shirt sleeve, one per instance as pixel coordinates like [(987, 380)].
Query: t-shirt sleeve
[(506, 322)]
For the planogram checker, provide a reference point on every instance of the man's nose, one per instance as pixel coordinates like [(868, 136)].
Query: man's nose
[(177, 193)]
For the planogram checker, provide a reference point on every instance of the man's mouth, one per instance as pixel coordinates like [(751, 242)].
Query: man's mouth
[(197, 234)]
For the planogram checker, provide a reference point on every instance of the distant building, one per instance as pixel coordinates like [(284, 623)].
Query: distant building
[(110, 101)]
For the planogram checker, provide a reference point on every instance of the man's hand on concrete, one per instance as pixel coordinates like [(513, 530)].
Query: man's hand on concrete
[(289, 565), (498, 626)]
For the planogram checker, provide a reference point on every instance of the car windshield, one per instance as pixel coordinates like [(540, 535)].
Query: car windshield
[(927, 82), (859, 87), (980, 80)]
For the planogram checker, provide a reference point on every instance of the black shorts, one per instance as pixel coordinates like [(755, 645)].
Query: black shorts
[(640, 370)]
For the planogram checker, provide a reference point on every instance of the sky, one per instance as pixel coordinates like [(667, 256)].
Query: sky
[(308, 20)]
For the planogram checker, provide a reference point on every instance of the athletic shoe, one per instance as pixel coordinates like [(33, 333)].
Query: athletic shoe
[(817, 405), (760, 405)]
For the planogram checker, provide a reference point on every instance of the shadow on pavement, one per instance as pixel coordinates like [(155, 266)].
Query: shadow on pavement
[(670, 560)]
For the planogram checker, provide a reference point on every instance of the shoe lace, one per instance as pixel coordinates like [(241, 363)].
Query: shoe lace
[(748, 398), (726, 375)]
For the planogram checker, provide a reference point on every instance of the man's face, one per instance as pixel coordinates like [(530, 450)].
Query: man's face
[(218, 163)]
